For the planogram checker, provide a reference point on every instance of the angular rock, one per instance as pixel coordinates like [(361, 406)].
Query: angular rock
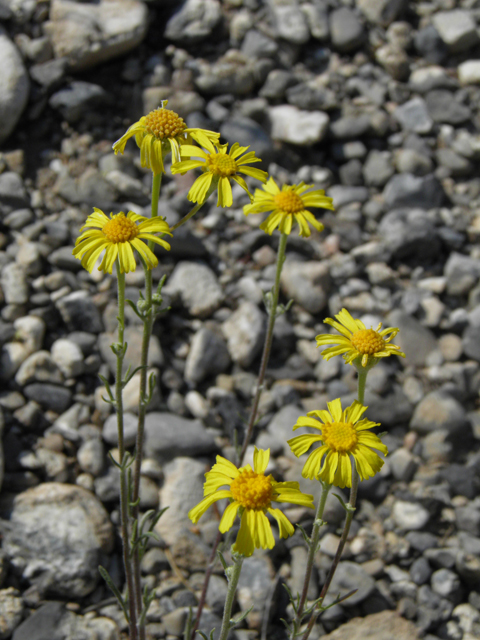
[(409, 233), (197, 287), (469, 72), (439, 411), (130, 425), (195, 21), (412, 191), (208, 356), (88, 34), (462, 273), (39, 367), (73, 101), (415, 340), (413, 116), (15, 83), (80, 313), (346, 30), (11, 611), (471, 335), (308, 283), (348, 576), (457, 29), (381, 12), (168, 436), (245, 333), (59, 534), (303, 128), (49, 396), (410, 515), (445, 109), (290, 21), (386, 625)]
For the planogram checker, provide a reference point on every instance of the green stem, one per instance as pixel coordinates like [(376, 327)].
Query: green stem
[(311, 553), (197, 207), (121, 449), (362, 378), (233, 574), (268, 344)]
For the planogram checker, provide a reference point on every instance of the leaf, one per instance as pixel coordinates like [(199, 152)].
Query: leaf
[(133, 307), (306, 537), (346, 506), (223, 561), (188, 625), (241, 617), (113, 461), (106, 576)]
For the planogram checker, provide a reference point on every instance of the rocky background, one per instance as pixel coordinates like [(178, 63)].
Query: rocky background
[(377, 101)]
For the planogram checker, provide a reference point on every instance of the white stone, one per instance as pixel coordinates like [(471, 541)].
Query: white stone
[(87, 34), (15, 86), (68, 357), (410, 516), (457, 29), (30, 330), (469, 72), (293, 125)]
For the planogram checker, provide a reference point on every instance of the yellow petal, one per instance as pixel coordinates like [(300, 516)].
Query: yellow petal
[(244, 543), (335, 408), (260, 460), (228, 517), (197, 512), (285, 527)]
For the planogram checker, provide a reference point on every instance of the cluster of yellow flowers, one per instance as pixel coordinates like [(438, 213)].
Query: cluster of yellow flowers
[(161, 132), (344, 436)]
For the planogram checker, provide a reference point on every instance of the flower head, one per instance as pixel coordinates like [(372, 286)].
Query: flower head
[(288, 204), (342, 435), (251, 493), (160, 132), (356, 341), (219, 167), (119, 235)]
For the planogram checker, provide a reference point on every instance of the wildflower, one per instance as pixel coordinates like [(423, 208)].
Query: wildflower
[(286, 204), (160, 132), (251, 493), (119, 235), (343, 434), (219, 167), (357, 341)]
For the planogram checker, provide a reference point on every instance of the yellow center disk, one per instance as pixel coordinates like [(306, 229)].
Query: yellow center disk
[(120, 229), (163, 123), (289, 202), (367, 341), (340, 436), (252, 490), (221, 164)]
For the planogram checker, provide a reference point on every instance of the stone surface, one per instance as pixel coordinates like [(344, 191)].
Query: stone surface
[(438, 411), (308, 283), (197, 287), (349, 576), (245, 332), (11, 611), (60, 532), (15, 86), (208, 356), (195, 21), (168, 436), (457, 29), (386, 625), (303, 128)]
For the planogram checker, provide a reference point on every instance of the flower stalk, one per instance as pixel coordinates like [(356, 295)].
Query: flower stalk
[(233, 574)]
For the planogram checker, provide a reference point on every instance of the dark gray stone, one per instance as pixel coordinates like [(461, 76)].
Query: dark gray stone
[(462, 273), (249, 133), (349, 576), (194, 21), (80, 313), (43, 624), (168, 436), (407, 190), (208, 355), (415, 340), (471, 335), (12, 192), (420, 570), (76, 99), (350, 127), (413, 116), (428, 43), (346, 30), (445, 109), (49, 396)]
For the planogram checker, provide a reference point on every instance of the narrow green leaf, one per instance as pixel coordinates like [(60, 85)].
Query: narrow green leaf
[(106, 576)]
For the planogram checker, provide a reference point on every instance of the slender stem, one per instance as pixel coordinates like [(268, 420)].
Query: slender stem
[(189, 215), (362, 378), (312, 550), (121, 448), (268, 344), (233, 574)]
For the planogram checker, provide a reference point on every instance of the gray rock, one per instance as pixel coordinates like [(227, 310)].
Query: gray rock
[(343, 195), (462, 273), (43, 623), (207, 357), (249, 133), (348, 576), (49, 396), (133, 337), (469, 72), (346, 30), (195, 21), (281, 425), (381, 12), (316, 15), (290, 21), (15, 83), (420, 570), (168, 436), (350, 127), (438, 411), (80, 313), (402, 464), (58, 536), (425, 79), (444, 108), (11, 611), (408, 231), (471, 335), (407, 190), (311, 96), (447, 584), (394, 61), (415, 340), (39, 367), (12, 192), (89, 34), (430, 45), (68, 357), (245, 333), (412, 161), (216, 593), (49, 74), (468, 519), (258, 45), (457, 29), (308, 283), (378, 168), (229, 74), (197, 287), (456, 164), (276, 84), (409, 515), (303, 128), (255, 583), (77, 98), (91, 457), (14, 284), (387, 625), (413, 116), (130, 425)]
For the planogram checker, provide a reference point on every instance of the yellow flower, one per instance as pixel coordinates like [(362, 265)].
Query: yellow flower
[(219, 167), (251, 492), (357, 341), (343, 434), (119, 235), (286, 204), (160, 132)]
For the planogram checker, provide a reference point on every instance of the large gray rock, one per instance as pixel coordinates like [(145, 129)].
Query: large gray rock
[(80, 313), (471, 335), (245, 333), (303, 128), (290, 21), (195, 21), (416, 341), (349, 576), (406, 190), (387, 625), (208, 355), (462, 273), (11, 611), (197, 287), (439, 411), (88, 34), (15, 86), (381, 12), (346, 30), (58, 536), (413, 116), (308, 283), (445, 108), (457, 29), (168, 436), (406, 232), (78, 97)]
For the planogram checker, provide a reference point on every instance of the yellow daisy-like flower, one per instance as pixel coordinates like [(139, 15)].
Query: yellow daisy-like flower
[(118, 236), (357, 341), (219, 167), (288, 204), (343, 434), (251, 493), (160, 132)]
